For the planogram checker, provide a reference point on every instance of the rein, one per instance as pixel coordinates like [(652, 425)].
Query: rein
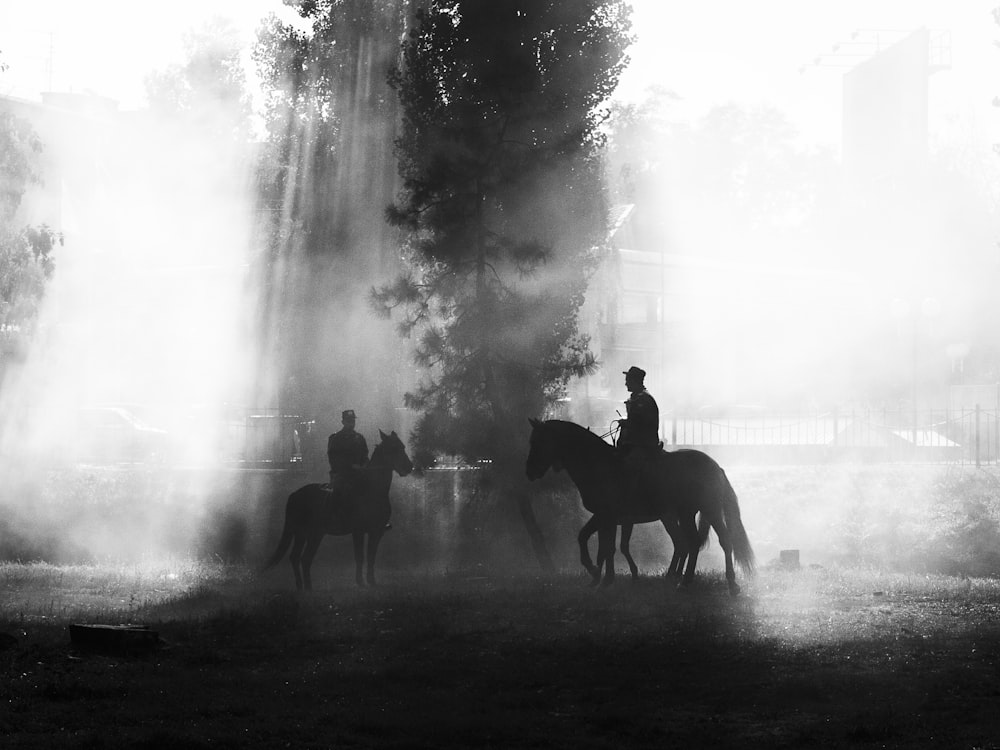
[(613, 432)]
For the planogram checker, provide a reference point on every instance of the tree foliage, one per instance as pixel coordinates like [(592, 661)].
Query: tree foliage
[(320, 108), (503, 207), (209, 87), (26, 261), (739, 163)]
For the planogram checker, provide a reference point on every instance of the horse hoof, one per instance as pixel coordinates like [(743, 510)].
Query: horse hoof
[(734, 590)]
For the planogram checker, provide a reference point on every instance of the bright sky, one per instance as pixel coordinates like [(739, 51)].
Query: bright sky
[(710, 51), (106, 46), (713, 51)]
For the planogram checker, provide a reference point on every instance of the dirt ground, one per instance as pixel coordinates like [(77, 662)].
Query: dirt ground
[(810, 658)]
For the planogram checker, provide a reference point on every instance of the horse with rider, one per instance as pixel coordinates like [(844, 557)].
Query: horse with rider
[(355, 502), (636, 481)]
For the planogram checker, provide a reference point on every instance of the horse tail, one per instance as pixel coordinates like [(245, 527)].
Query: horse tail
[(742, 551), (287, 534)]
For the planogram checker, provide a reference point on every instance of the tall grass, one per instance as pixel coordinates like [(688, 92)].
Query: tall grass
[(112, 592)]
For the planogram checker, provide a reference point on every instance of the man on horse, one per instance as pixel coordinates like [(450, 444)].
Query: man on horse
[(347, 452), (639, 440)]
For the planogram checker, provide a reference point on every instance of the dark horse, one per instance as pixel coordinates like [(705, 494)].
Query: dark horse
[(684, 484), (311, 513)]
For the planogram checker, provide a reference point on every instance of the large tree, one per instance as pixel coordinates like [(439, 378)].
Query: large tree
[(504, 210)]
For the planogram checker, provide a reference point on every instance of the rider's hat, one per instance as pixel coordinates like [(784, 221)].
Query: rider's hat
[(634, 373), (348, 414)]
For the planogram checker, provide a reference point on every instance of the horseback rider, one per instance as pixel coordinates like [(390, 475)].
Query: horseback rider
[(639, 440), (641, 426), (347, 452)]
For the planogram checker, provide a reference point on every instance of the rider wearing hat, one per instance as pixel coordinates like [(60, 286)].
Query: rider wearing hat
[(347, 452), (639, 438), (642, 424)]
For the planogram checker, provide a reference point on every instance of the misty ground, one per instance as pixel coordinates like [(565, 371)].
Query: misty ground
[(821, 657), (917, 518), (887, 636)]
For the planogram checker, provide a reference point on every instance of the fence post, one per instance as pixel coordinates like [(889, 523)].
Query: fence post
[(673, 429)]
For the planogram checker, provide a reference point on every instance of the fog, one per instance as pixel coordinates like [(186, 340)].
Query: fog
[(803, 235)]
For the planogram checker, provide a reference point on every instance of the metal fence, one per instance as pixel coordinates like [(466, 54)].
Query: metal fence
[(265, 436), (965, 436), (969, 436), (270, 438)]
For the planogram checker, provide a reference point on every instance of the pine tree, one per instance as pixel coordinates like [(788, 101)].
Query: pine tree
[(504, 210)]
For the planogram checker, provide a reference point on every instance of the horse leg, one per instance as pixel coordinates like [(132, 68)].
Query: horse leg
[(722, 531), (295, 558), (583, 537), (374, 538), (359, 556), (672, 527), (626, 538), (312, 544), (606, 550), (689, 531)]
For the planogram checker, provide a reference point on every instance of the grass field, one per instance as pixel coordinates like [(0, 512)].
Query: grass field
[(888, 636), (820, 657)]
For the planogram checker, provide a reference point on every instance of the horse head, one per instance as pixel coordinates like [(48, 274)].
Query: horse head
[(542, 453), (396, 451)]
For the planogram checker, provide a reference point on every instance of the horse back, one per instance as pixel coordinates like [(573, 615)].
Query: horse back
[(691, 476), (691, 462), (316, 506)]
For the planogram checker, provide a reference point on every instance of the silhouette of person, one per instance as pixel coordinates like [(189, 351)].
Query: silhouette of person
[(639, 438), (642, 423), (347, 452)]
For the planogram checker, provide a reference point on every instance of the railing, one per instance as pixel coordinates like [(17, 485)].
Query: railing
[(968, 435), (267, 437)]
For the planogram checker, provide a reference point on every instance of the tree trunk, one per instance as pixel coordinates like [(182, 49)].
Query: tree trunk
[(534, 532)]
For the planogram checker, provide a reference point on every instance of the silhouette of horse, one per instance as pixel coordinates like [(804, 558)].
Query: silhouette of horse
[(685, 483), (312, 512)]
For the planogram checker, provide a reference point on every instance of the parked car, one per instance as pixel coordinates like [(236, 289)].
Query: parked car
[(114, 434)]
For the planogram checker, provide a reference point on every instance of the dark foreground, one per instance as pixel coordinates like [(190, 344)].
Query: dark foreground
[(814, 658)]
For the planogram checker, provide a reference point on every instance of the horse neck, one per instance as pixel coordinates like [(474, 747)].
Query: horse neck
[(380, 470), (580, 460)]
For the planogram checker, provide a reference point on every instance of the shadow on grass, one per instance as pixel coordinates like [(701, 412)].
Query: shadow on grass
[(480, 661)]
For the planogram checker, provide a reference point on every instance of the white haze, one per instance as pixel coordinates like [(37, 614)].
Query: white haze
[(149, 305), (789, 316), (149, 301)]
